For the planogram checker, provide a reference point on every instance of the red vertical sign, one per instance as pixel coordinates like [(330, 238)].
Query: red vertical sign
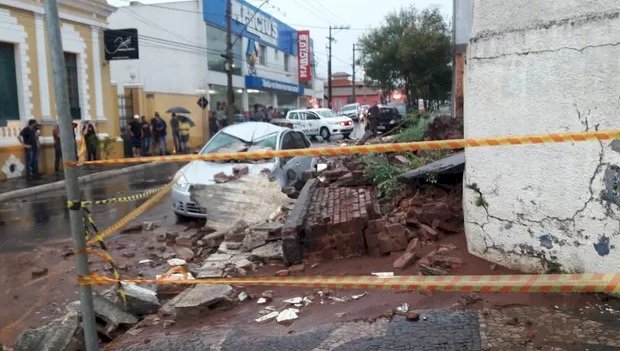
[(303, 55)]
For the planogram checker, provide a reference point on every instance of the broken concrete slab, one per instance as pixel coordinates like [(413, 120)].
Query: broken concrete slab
[(404, 260), (267, 317), (240, 170), (174, 262), (63, 334), (184, 253), (204, 273), (204, 299), (268, 252), (273, 228), (191, 238), (447, 166), (255, 239), (111, 319), (287, 316), (140, 301), (243, 263)]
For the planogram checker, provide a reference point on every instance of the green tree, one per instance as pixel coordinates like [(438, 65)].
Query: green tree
[(410, 51)]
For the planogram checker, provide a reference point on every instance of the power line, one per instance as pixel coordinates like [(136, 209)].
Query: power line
[(337, 18)]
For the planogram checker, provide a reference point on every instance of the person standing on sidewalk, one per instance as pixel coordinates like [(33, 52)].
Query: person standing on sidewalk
[(136, 135), (159, 129), (29, 137), (176, 137), (146, 136), (373, 118), (57, 148), (89, 133), (184, 127)]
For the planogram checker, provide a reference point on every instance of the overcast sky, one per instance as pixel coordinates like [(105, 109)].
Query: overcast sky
[(317, 15)]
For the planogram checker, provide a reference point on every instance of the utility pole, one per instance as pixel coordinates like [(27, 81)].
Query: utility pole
[(330, 39), (71, 182), (355, 48), (229, 66)]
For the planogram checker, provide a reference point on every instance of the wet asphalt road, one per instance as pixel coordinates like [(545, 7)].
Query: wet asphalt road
[(31, 221)]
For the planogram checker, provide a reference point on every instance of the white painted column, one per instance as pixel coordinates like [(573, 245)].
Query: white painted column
[(245, 101), (96, 54), (44, 89), (274, 100)]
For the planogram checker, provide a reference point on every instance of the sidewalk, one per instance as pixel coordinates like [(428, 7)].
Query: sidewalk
[(19, 187)]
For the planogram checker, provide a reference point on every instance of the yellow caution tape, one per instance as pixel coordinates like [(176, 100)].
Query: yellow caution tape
[(546, 283), (378, 148), (130, 198), (133, 214)]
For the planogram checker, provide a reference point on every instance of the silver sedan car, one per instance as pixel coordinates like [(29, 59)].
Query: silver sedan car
[(248, 136)]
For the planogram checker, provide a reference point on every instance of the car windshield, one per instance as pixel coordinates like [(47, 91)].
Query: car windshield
[(327, 113), (223, 142)]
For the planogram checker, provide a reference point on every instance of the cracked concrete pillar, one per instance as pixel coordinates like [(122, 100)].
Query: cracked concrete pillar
[(538, 67)]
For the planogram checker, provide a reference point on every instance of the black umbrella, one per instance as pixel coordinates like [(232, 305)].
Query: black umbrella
[(178, 109), (186, 119)]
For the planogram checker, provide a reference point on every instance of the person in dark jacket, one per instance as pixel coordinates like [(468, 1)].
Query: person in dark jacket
[(136, 135), (89, 133), (29, 138), (176, 136), (146, 136), (160, 131), (373, 117)]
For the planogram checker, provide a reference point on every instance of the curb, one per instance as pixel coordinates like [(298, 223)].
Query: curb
[(81, 180)]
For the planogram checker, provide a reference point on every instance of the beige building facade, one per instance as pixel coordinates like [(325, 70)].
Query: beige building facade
[(26, 81)]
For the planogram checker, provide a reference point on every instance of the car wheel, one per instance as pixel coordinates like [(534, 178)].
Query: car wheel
[(313, 138), (346, 136), (325, 134)]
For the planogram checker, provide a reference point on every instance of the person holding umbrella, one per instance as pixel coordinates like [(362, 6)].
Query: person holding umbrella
[(185, 123), (176, 137)]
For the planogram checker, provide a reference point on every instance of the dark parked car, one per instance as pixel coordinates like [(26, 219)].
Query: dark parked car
[(389, 118)]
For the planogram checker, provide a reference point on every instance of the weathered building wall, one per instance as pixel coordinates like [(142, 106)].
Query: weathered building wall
[(539, 67)]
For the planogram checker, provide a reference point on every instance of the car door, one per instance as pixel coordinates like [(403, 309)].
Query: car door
[(314, 123), (294, 167)]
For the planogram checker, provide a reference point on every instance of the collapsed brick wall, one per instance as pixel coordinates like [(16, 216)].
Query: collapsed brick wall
[(336, 220)]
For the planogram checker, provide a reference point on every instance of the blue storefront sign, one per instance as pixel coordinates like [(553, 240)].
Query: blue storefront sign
[(261, 26), (259, 83)]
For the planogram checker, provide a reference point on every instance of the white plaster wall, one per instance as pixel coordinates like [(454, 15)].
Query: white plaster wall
[(539, 67), (164, 67)]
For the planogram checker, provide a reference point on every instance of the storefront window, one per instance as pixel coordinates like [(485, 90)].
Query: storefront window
[(286, 62), (262, 52), (216, 46)]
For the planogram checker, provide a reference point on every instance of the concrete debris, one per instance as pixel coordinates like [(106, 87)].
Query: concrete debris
[(63, 334), (236, 233), (294, 300), (222, 178), (172, 289), (203, 299), (185, 253), (383, 274), (171, 237), (190, 239), (261, 301), (279, 215), (174, 262), (147, 262), (233, 246), (240, 170), (412, 246), (148, 226), (427, 270), (129, 254), (268, 317), (268, 294), (243, 296), (450, 165), (282, 273), (274, 229), (111, 319), (297, 268), (401, 159), (447, 262), (255, 239), (428, 233), (38, 272), (132, 229), (270, 251), (140, 301), (402, 308), (244, 263), (204, 273), (404, 260), (359, 296), (287, 316)]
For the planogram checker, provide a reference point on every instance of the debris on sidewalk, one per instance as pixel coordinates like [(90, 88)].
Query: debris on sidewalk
[(111, 319), (62, 334), (287, 316), (140, 301), (383, 274), (267, 317), (202, 300), (38, 272)]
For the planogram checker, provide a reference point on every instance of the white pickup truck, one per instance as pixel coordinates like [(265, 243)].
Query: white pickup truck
[(320, 121)]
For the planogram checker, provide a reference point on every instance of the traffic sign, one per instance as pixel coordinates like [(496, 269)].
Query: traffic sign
[(202, 102)]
